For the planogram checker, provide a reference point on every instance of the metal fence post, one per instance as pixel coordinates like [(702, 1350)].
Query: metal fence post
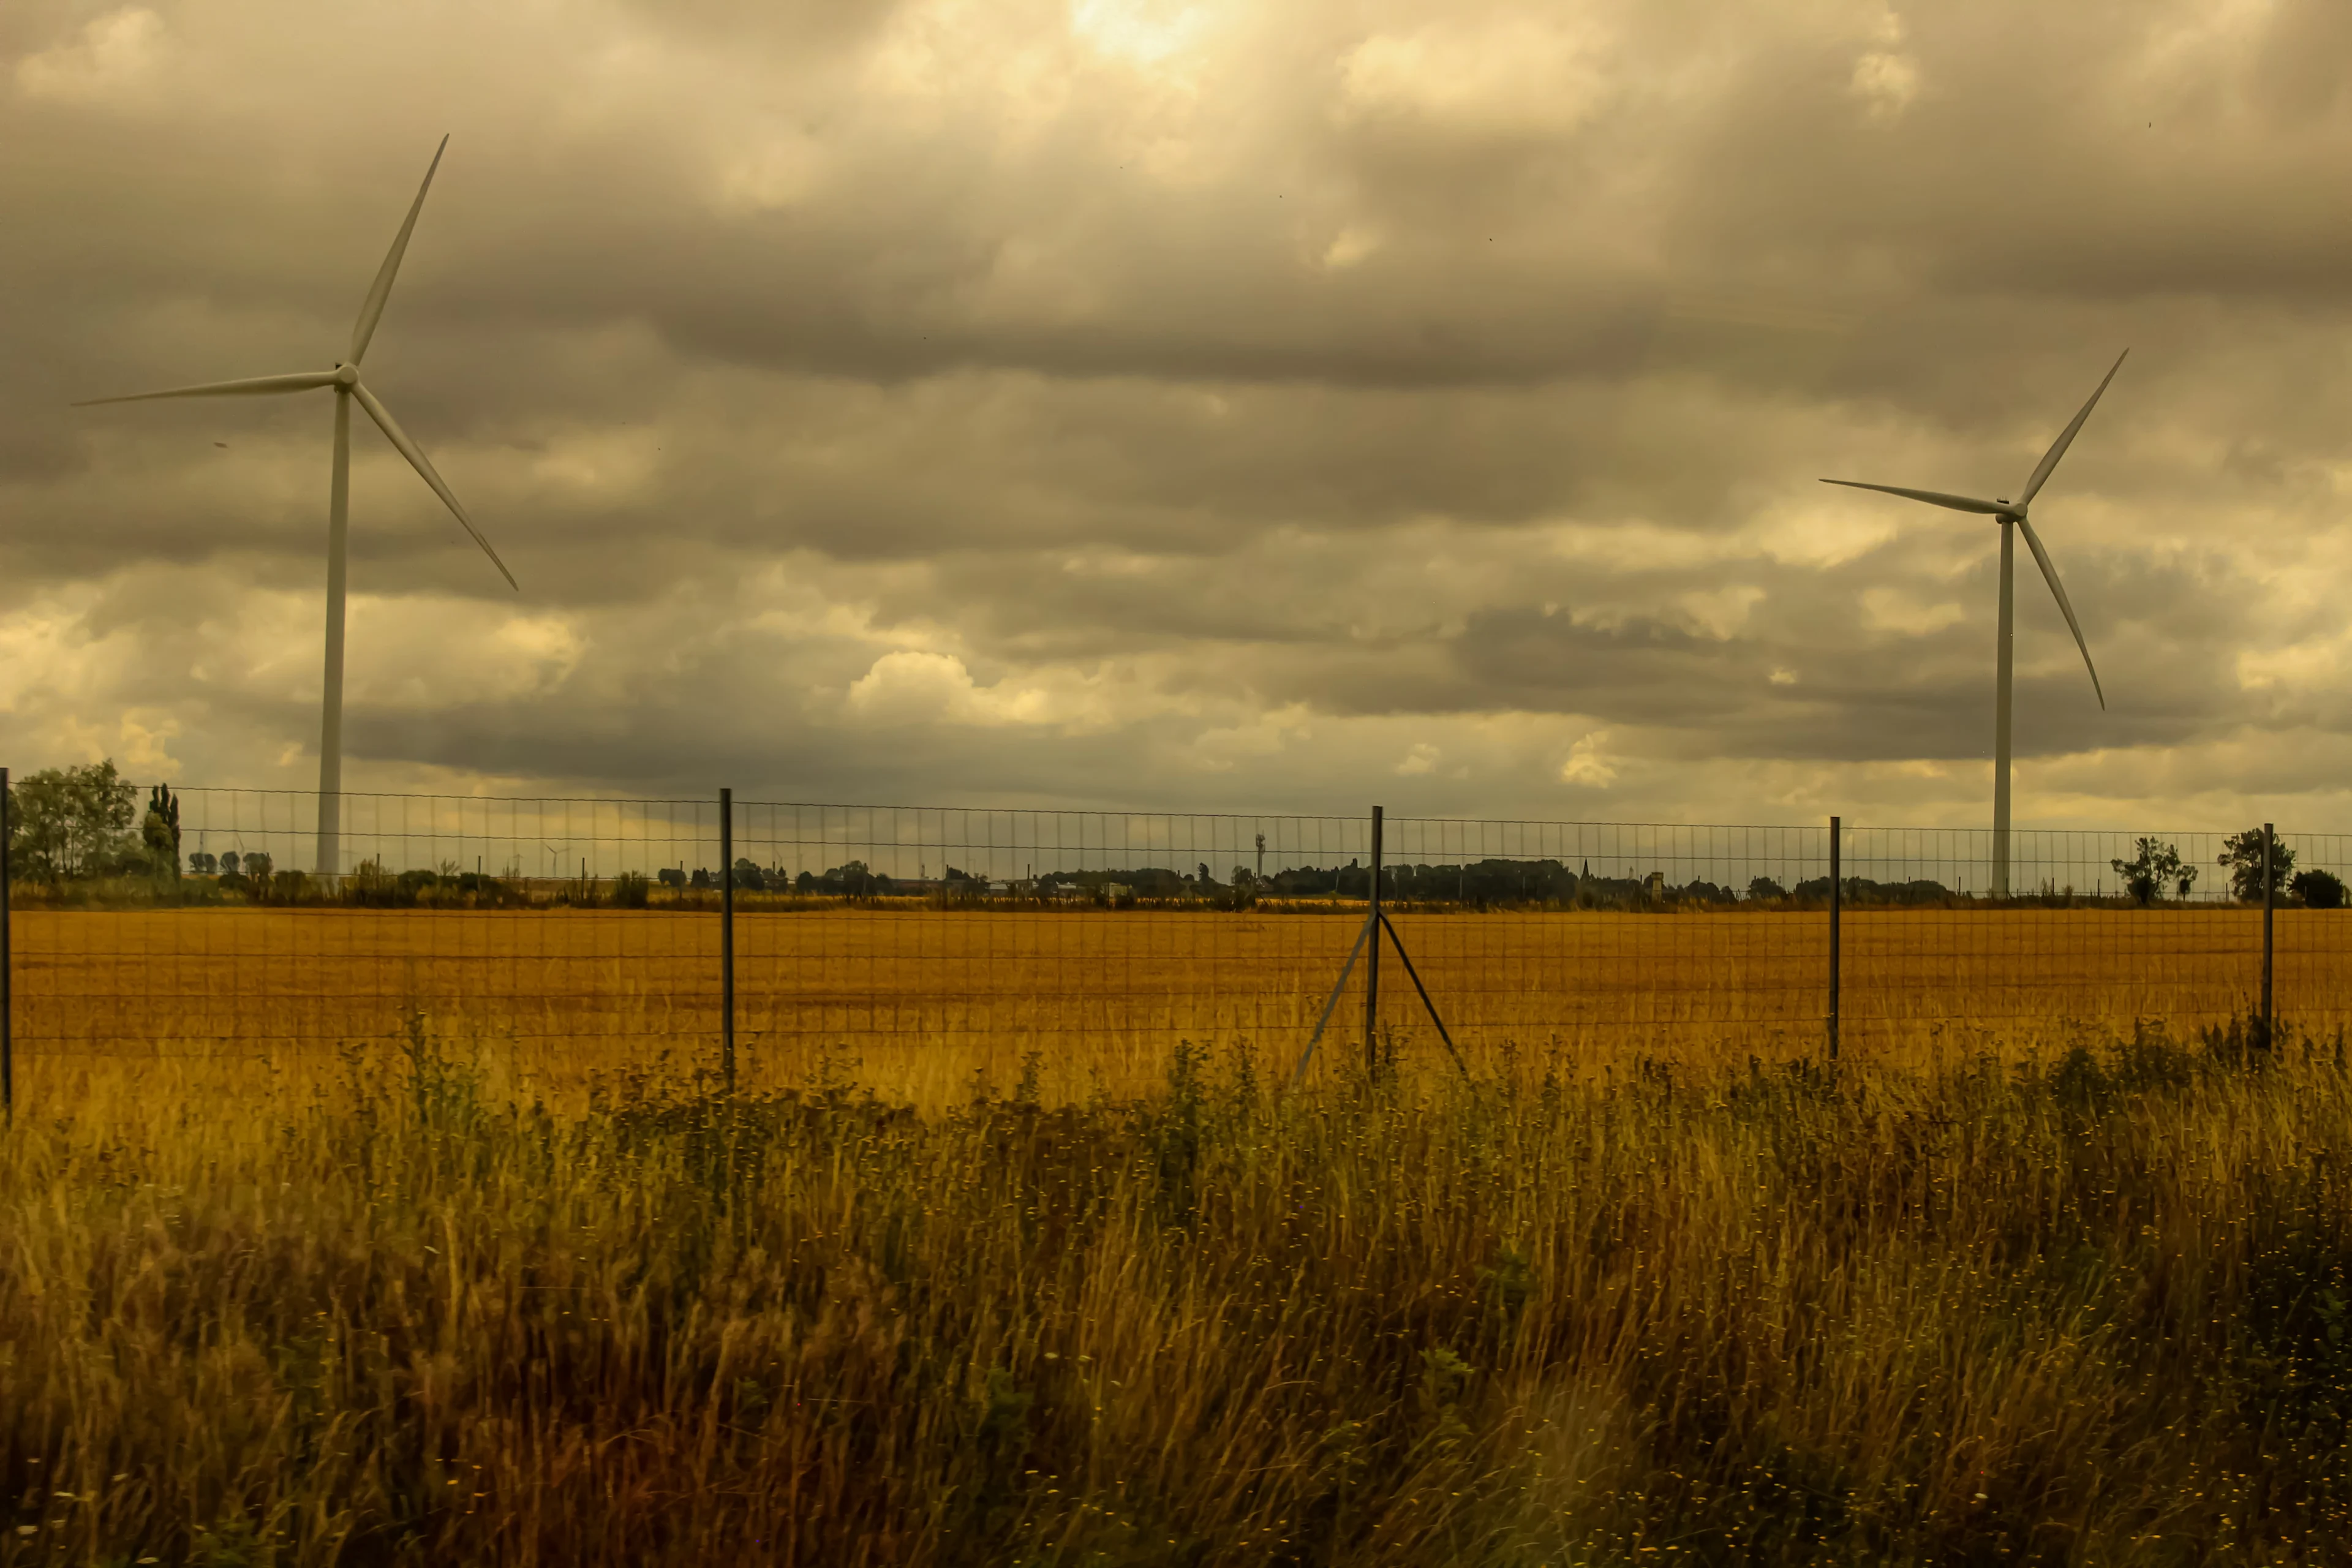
[(7, 971), (2269, 898), (727, 936), (1837, 836), (1372, 958)]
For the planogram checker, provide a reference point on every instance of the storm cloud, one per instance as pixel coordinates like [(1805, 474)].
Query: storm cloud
[(1193, 405)]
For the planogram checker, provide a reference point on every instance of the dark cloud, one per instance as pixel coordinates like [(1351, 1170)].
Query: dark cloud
[(1129, 401)]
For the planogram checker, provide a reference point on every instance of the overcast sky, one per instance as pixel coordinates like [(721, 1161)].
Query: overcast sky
[(1208, 406)]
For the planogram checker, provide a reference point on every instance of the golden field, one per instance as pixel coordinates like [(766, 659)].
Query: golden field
[(1096, 999), (336, 1238)]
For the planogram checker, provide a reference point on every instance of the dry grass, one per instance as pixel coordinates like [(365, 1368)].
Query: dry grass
[(928, 998), (2090, 1309), (985, 1263)]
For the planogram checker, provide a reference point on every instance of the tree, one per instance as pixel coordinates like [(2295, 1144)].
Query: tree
[(2155, 867), (160, 831), (2241, 853), (2318, 889), (70, 822), (1761, 888), (748, 875), (200, 864)]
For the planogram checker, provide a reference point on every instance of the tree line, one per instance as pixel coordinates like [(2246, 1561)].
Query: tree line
[(85, 824)]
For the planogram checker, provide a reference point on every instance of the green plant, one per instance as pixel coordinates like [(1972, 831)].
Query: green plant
[(2317, 889), (69, 822), (2154, 869), (2242, 857), (159, 831)]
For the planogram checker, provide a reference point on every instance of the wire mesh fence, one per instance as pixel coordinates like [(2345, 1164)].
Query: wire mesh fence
[(588, 928)]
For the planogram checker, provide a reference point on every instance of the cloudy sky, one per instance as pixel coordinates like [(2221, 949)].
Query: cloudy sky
[(1212, 405)]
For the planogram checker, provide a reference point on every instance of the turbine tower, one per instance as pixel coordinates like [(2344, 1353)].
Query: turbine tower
[(344, 378), (2011, 516)]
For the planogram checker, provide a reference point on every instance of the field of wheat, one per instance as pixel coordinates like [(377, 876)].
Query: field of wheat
[(336, 1237), (1095, 1000)]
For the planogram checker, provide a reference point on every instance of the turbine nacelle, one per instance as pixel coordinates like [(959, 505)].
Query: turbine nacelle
[(346, 377)]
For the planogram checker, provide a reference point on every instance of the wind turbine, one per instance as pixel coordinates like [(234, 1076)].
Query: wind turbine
[(344, 378), (2012, 517)]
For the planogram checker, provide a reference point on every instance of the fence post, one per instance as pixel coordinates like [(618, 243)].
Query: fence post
[(7, 972), (1837, 886), (1372, 958), (2269, 858), (727, 936)]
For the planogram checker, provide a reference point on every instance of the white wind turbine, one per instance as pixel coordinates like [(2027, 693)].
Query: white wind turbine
[(344, 378), (2012, 517)]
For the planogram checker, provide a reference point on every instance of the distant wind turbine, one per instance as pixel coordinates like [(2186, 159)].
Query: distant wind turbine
[(345, 380), (2014, 512)]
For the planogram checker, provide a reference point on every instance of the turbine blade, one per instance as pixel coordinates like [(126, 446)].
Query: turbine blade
[(2066, 438), (381, 290), (424, 465), (2050, 575), (1933, 497), (251, 386)]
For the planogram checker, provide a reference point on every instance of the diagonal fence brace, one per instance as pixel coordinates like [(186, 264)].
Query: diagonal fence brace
[(1377, 921), (1345, 970), (1415, 975)]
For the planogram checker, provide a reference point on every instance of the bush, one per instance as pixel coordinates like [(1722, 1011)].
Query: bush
[(2156, 867), (2317, 889), (631, 890), (480, 887)]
